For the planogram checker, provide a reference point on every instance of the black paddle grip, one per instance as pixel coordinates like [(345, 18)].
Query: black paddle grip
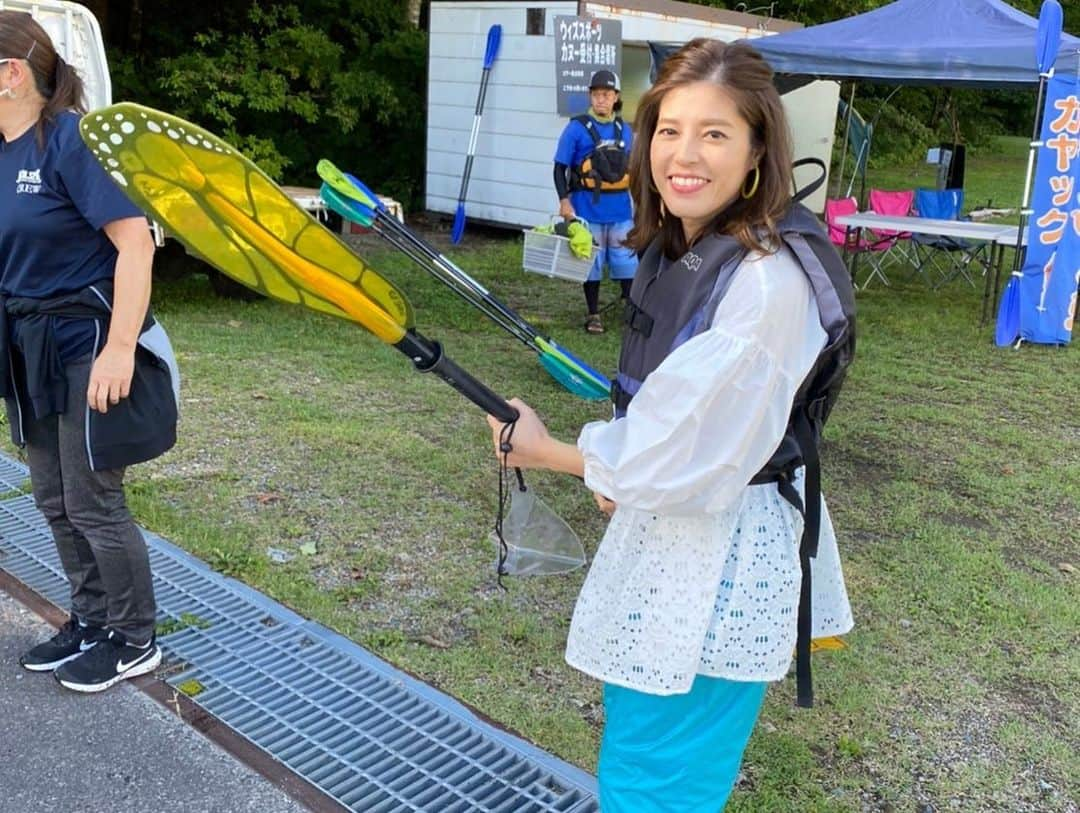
[(428, 357)]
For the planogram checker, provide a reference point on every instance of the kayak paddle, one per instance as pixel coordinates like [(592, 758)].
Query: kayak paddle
[(224, 209), (494, 37), (351, 199)]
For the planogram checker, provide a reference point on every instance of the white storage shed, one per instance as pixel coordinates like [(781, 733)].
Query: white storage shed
[(511, 180)]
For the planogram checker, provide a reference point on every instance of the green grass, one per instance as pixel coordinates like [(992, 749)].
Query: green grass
[(952, 470)]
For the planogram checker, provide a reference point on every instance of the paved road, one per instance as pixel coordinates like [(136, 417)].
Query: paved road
[(61, 752)]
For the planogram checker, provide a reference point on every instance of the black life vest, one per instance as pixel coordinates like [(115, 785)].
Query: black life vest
[(672, 302), (604, 169)]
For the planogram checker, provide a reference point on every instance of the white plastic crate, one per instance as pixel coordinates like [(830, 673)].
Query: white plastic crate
[(550, 254)]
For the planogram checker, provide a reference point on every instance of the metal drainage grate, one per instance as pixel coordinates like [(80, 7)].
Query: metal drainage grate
[(367, 734), (14, 476)]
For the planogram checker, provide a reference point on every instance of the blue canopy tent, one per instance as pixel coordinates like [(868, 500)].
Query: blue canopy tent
[(962, 43), (965, 43)]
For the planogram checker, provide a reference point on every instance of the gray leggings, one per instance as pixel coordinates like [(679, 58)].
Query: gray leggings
[(102, 551)]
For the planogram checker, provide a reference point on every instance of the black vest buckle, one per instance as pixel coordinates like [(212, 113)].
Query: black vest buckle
[(620, 397), (636, 319), (815, 410)]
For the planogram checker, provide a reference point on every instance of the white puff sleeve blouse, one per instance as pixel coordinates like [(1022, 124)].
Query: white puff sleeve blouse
[(698, 572)]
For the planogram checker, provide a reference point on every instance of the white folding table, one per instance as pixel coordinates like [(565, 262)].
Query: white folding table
[(906, 224)]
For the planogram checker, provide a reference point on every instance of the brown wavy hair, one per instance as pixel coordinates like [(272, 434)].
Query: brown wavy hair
[(59, 85), (748, 79)]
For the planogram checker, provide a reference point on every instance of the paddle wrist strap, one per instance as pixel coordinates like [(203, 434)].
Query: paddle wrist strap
[(505, 447)]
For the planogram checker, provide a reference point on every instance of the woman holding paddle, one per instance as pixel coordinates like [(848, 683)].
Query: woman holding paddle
[(689, 609)]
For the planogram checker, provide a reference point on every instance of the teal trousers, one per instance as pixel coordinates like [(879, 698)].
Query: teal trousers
[(675, 753)]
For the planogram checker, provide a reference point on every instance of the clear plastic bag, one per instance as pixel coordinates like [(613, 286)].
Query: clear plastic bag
[(538, 541)]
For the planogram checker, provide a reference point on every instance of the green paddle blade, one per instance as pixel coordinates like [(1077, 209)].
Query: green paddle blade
[(345, 207), (574, 374), (572, 379), (225, 210), (343, 186)]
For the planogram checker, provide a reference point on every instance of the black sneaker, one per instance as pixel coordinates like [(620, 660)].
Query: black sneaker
[(111, 661), (70, 642)]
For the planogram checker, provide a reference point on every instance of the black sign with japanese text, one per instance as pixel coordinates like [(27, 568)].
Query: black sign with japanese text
[(583, 45)]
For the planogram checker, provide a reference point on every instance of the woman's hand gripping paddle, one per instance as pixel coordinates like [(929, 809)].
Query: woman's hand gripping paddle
[(225, 210)]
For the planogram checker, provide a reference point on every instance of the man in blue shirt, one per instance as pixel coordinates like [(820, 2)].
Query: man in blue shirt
[(592, 183)]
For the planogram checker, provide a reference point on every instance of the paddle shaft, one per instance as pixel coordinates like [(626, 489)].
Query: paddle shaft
[(503, 317), (1032, 150), (489, 58), (448, 273), (374, 215), (443, 262), (493, 39), (428, 357), (350, 198)]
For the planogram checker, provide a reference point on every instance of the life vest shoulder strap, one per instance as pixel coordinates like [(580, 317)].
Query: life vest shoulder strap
[(589, 123)]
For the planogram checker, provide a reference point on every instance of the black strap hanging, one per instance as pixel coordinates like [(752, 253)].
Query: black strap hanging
[(808, 548), (505, 447), (803, 423)]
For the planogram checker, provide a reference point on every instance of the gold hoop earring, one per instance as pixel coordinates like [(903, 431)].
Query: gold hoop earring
[(753, 188)]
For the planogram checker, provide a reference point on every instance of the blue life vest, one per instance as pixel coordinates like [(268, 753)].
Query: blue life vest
[(673, 301)]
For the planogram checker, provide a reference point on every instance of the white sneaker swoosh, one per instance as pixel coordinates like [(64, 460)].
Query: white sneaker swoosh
[(85, 645), (123, 667)]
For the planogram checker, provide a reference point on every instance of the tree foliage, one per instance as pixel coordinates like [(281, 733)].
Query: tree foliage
[(289, 83)]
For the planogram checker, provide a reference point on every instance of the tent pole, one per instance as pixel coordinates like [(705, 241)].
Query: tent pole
[(1033, 149), (870, 141), (843, 150), (858, 160)]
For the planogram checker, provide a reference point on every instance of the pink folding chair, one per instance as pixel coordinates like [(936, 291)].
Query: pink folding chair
[(850, 239), (843, 237), (888, 244)]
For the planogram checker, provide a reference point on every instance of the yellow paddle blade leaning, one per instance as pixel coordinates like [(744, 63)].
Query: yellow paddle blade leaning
[(225, 210)]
